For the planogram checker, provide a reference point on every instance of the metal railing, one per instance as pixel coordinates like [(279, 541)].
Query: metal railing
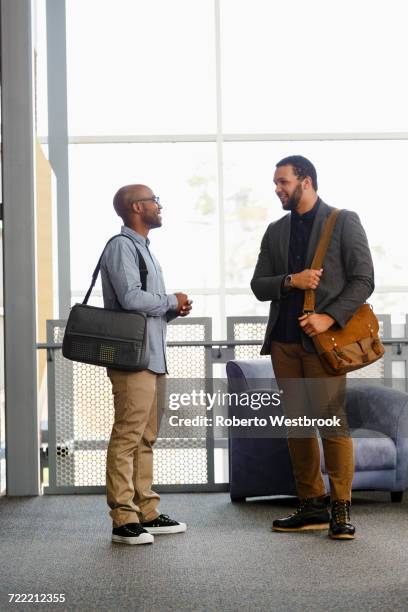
[(80, 407)]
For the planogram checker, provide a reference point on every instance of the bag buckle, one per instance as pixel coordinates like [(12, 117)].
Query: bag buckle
[(308, 311)]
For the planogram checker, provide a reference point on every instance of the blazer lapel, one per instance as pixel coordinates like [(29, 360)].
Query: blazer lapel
[(318, 223)]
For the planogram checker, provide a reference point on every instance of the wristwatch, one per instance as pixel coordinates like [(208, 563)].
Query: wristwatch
[(288, 281)]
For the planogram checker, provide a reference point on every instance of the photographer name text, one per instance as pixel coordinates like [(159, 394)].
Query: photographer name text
[(274, 421)]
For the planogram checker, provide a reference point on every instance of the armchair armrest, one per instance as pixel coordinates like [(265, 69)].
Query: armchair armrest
[(378, 408), (385, 410), (244, 375)]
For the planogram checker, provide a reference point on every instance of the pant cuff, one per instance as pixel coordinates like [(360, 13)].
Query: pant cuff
[(124, 519), (146, 518)]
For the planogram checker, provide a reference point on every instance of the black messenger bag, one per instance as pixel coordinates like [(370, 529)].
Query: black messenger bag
[(110, 338)]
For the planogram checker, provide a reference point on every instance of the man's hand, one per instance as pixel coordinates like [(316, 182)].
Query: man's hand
[(308, 279), (186, 308), (183, 304), (313, 324)]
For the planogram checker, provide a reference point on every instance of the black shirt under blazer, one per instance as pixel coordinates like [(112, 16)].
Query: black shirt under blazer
[(287, 328), (348, 274)]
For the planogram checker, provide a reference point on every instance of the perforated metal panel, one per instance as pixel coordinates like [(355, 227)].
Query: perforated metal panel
[(187, 361), (247, 328), (188, 459), (81, 408), (175, 465), (81, 417)]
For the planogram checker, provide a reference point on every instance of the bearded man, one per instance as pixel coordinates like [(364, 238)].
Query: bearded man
[(282, 275)]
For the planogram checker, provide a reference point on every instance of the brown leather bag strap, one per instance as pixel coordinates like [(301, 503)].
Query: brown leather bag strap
[(324, 240)]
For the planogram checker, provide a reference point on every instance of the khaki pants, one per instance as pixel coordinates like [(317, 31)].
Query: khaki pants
[(319, 395), (129, 469)]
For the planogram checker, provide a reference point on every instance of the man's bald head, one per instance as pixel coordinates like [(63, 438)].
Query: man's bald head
[(125, 196), (138, 207)]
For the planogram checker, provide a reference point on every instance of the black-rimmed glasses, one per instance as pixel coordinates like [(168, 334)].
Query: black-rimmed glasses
[(154, 199)]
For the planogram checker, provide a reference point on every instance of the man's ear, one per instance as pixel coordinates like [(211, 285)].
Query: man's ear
[(136, 207), (307, 184)]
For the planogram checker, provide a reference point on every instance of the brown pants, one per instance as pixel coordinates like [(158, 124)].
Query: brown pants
[(129, 468), (318, 395)]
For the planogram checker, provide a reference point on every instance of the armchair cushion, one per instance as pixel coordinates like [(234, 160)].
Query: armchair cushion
[(372, 451)]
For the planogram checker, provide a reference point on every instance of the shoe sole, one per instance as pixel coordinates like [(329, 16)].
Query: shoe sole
[(143, 538), (166, 530), (343, 536), (316, 527)]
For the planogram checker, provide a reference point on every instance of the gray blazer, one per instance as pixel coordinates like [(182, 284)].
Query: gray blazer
[(348, 274)]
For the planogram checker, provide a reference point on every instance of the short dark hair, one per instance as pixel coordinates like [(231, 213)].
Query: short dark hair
[(302, 167)]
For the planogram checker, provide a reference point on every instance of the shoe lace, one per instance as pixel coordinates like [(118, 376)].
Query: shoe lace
[(302, 504), (165, 518), (341, 512)]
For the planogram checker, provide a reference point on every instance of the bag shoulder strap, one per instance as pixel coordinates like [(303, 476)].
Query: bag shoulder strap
[(321, 249), (142, 267)]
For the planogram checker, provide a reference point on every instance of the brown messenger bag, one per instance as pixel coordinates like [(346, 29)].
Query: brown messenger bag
[(357, 344)]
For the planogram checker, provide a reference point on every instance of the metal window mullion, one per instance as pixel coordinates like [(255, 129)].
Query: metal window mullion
[(22, 423), (264, 137), (58, 140), (313, 136), (220, 169)]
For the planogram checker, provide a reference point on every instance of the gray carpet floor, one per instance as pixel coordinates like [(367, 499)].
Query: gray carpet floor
[(228, 560)]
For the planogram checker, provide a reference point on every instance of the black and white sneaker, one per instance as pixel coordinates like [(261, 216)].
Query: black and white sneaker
[(131, 533), (164, 524)]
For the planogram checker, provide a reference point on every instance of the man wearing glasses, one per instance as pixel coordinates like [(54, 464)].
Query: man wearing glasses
[(129, 474)]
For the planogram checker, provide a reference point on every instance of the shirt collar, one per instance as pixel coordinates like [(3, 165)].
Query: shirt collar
[(138, 237), (309, 215)]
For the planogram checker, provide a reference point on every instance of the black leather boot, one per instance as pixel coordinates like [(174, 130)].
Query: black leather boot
[(311, 514), (340, 526)]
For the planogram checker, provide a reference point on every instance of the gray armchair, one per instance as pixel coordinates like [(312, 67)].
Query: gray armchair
[(378, 418)]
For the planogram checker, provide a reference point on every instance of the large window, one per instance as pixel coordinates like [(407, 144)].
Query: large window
[(358, 175), (137, 67), (317, 66), (201, 99), (184, 175)]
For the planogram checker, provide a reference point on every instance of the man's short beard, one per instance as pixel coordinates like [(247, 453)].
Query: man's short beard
[(153, 224), (151, 220), (294, 199)]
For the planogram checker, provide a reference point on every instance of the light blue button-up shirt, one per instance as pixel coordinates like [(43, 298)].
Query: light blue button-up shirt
[(122, 288)]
